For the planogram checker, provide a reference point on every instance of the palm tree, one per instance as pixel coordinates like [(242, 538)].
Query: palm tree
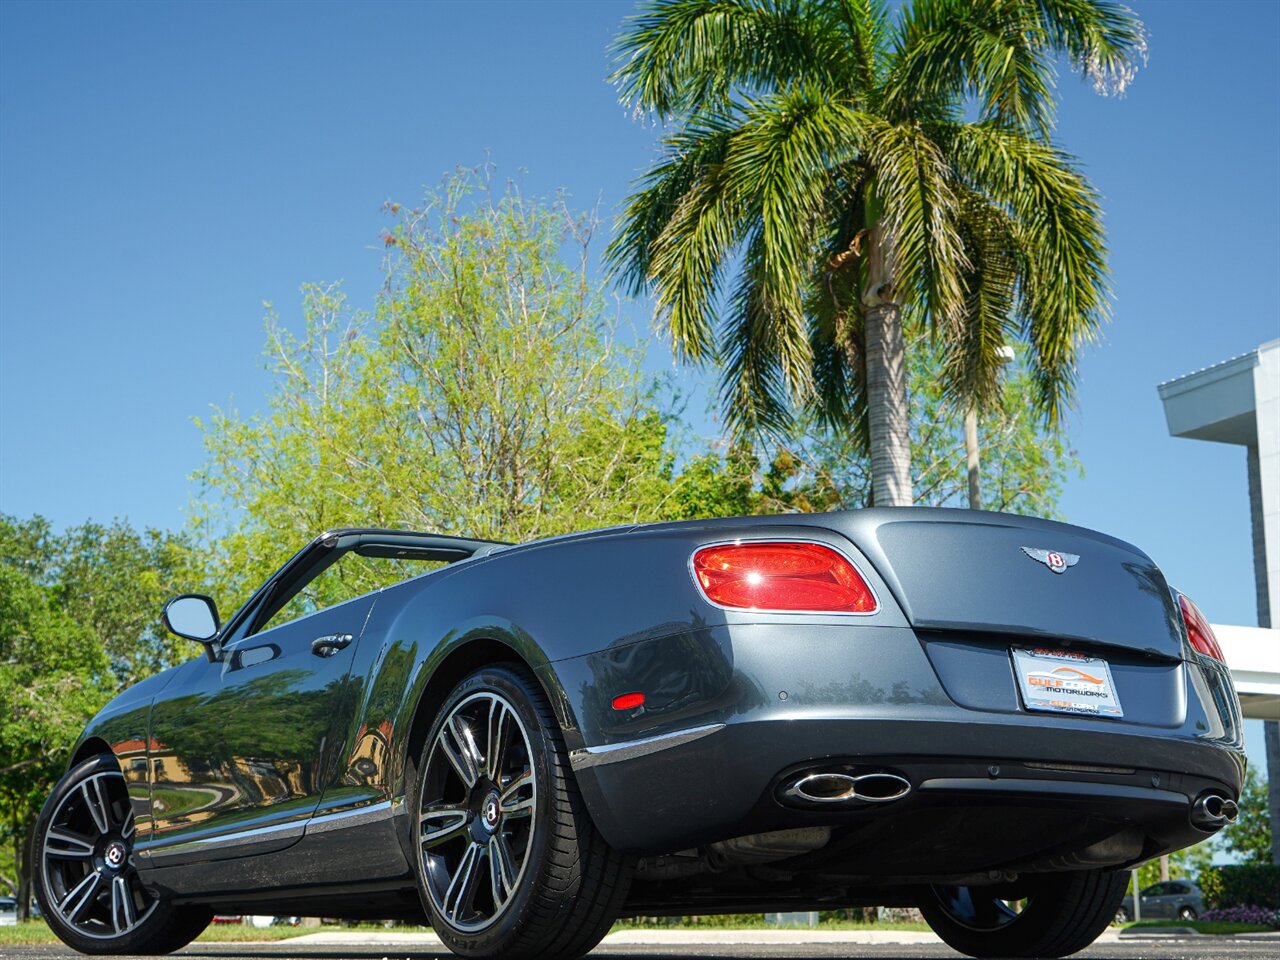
[(849, 169)]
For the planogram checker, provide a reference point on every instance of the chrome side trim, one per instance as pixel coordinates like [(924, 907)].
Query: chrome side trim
[(353, 817), (296, 829), (631, 749), (161, 851)]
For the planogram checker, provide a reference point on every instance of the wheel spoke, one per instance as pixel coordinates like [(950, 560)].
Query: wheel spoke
[(459, 747), (96, 801), (79, 896), (513, 805), (127, 828), (441, 824), (460, 890), (502, 872), (499, 727), (69, 846), (121, 905)]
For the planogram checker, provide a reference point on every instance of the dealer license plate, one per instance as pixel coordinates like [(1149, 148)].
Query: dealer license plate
[(1062, 681)]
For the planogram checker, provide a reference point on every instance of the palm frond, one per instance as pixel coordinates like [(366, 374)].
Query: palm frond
[(834, 308), (913, 184), (680, 57), (971, 369), (1105, 41), (690, 157), (1001, 53), (685, 259), (867, 24), (753, 389), (1056, 222), (783, 159), (991, 51)]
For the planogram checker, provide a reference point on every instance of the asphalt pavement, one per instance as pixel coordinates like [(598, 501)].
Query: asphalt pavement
[(793, 947)]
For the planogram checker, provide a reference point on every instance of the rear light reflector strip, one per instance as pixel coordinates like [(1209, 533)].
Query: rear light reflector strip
[(1198, 630)]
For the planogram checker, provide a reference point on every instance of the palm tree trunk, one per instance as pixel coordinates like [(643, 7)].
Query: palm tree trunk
[(973, 458), (887, 413)]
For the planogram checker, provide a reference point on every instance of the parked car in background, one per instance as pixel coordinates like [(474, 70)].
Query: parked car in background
[(8, 911), (946, 709), (1177, 899)]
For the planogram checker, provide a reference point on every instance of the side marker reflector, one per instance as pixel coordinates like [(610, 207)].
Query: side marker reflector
[(628, 701)]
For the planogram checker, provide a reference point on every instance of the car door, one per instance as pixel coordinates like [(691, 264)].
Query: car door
[(1154, 902), (242, 752), (1177, 895)]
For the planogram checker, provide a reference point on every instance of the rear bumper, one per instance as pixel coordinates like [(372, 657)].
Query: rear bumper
[(727, 782), (708, 764)]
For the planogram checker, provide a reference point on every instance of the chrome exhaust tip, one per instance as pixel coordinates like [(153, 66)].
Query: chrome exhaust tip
[(1213, 812), (1230, 810), (825, 788)]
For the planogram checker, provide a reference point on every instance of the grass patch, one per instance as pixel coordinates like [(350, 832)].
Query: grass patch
[(1218, 927), (246, 933), (37, 931), (33, 931)]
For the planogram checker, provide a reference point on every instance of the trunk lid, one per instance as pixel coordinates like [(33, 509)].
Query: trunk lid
[(986, 573)]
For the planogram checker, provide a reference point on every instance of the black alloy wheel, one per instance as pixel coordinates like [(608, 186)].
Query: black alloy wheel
[(510, 864), (87, 882), (1053, 915), (476, 836)]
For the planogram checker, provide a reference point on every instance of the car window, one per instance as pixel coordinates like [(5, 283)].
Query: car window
[(1155, 890), (350, 577), (1177, 888)]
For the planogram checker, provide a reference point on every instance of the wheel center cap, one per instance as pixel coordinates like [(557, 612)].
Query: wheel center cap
[(115, 855), (491, 812)]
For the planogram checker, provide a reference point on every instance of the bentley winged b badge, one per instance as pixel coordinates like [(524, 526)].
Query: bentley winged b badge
[(1055, 561)]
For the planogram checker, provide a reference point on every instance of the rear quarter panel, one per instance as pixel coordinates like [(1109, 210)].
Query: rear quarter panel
[(553, 603)]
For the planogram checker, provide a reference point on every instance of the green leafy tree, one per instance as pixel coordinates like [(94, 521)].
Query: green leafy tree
[(54, 676), (1250, 836), (824, 468), (847, 168), (79, 619), (112, 580), (484, 395)]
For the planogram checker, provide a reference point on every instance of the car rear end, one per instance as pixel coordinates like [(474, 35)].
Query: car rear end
[(1010, 696)]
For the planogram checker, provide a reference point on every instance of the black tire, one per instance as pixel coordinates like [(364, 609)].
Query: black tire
[(1064, 912), (569, 885), (85, 878), (1122, 916), (1187, 913)]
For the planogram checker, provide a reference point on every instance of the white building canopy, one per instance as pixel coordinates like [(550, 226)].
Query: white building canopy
[(1253, 654)]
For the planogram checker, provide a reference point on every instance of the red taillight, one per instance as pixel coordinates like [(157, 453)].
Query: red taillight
[(781, 576), (1198, 630), (628, 701)]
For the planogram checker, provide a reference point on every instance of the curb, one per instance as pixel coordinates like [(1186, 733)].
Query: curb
[(1155, 932)]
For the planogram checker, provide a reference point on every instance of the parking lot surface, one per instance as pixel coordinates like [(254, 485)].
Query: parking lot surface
[(1190, 948)]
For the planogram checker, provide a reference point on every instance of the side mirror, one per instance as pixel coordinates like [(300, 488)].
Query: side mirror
[(192, 616)]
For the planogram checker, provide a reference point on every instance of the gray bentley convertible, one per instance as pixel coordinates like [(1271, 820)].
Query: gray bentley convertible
[(986, 716)]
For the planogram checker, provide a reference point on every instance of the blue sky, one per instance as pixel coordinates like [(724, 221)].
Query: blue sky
[(165, 168)]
